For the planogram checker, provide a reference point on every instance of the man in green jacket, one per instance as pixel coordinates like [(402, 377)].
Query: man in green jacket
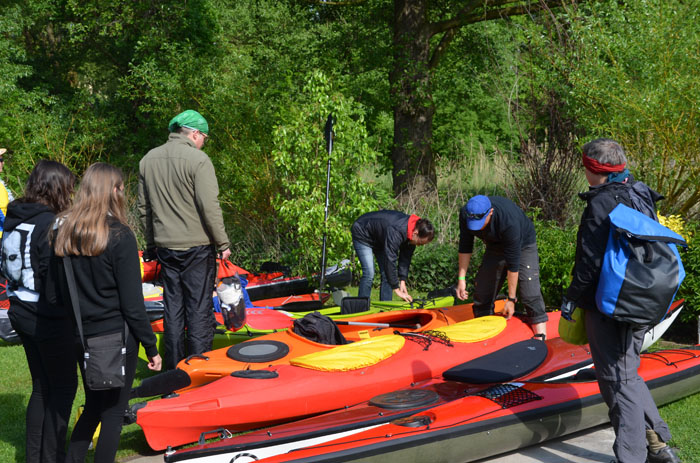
[(184, 229)]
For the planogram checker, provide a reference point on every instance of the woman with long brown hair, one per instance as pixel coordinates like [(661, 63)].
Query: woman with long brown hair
[(45, 330), (94, 234)]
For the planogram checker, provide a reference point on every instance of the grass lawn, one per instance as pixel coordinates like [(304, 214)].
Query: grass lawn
[(682, 416), (15, 388)]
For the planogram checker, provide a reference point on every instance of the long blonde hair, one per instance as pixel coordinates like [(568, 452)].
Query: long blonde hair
[(84, 229)]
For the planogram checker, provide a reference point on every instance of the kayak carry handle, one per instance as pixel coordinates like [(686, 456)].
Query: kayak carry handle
[(195, 356), (223, 433)]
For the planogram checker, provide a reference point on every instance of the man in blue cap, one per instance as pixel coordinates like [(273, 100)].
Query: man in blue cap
[(184, 229), (510, 255)]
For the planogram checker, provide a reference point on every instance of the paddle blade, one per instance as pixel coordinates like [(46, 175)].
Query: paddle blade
[(162, 384)]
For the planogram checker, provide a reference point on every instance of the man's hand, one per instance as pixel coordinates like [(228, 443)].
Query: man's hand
[(508, 309), (155, 363), (149, 254), (462, 293), (225, 254), (567, 309), (403, 294)]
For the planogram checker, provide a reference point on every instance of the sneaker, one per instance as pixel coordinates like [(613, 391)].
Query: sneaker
[(665, 455)]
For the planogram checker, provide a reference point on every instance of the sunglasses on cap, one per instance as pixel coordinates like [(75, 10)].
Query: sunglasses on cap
[(477, 216)]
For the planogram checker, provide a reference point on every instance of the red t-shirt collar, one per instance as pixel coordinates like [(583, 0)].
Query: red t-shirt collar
[(412, 225)]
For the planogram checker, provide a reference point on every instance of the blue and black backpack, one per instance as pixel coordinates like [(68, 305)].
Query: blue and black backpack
[(642, 269)]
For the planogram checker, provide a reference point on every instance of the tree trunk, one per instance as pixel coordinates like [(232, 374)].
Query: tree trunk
[(413, 164)]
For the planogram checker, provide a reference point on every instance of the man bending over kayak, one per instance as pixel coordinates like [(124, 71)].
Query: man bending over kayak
[(391, 236), (511, 255)]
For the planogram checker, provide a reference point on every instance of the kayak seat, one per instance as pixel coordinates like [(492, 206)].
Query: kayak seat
[(474, 330), (350, 305), (504, 365), (339, 278), (255, 351), (353, 356)]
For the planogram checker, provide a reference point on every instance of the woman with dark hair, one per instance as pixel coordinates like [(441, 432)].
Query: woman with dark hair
[(102, 249), (46, 332), (391, 236)]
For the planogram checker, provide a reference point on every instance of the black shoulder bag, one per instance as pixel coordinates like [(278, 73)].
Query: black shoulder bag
[(105, 356)]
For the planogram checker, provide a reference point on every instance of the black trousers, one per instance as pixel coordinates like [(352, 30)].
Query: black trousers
[(188, 284), (107, 407), (492, 274), (54, 382)]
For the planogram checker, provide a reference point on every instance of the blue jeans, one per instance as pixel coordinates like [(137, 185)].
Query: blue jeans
[(366, 256)]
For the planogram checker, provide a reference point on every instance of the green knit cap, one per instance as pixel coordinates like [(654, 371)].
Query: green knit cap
[(190, 119)]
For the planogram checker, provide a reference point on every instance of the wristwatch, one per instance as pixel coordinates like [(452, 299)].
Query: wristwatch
[(512, 299)]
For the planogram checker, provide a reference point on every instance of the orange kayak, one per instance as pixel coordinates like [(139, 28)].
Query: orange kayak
[(326, 380), (279, 347)]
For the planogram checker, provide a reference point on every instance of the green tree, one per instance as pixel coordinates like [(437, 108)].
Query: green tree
[(632, 68), (422, 33), (301, 159), (72, 57)]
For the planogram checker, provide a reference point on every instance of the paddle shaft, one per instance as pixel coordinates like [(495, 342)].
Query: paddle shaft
[(328, 133), (380, 325)]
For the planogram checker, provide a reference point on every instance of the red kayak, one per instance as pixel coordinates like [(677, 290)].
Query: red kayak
[(325, 381), (270, 285), (456, 421), (151, 272)]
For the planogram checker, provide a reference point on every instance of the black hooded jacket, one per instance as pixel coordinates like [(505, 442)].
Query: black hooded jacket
[(386, 232), (26, 254), (592, 236)]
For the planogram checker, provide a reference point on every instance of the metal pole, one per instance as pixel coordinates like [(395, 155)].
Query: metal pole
[(328, 133)]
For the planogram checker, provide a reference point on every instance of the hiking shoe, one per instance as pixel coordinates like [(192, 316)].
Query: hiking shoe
[(665, 455)]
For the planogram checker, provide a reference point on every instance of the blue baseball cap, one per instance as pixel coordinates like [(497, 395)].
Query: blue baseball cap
[(477, 210)]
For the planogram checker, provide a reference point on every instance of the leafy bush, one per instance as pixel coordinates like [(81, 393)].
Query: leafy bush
[(548, 173), (434, 266), (677, 224), (631, 67), (301, 160), (690, 289), (556, 247)]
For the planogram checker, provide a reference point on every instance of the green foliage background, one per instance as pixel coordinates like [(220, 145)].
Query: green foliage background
[(690, 288), (86, 81), (631, 73), (97, 80), (305, 165)]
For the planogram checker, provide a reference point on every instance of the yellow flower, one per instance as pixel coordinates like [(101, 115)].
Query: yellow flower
[(675, 223)]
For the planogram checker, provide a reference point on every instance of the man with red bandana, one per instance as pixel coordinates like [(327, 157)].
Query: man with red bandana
[(391, 236), (640, 433)]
